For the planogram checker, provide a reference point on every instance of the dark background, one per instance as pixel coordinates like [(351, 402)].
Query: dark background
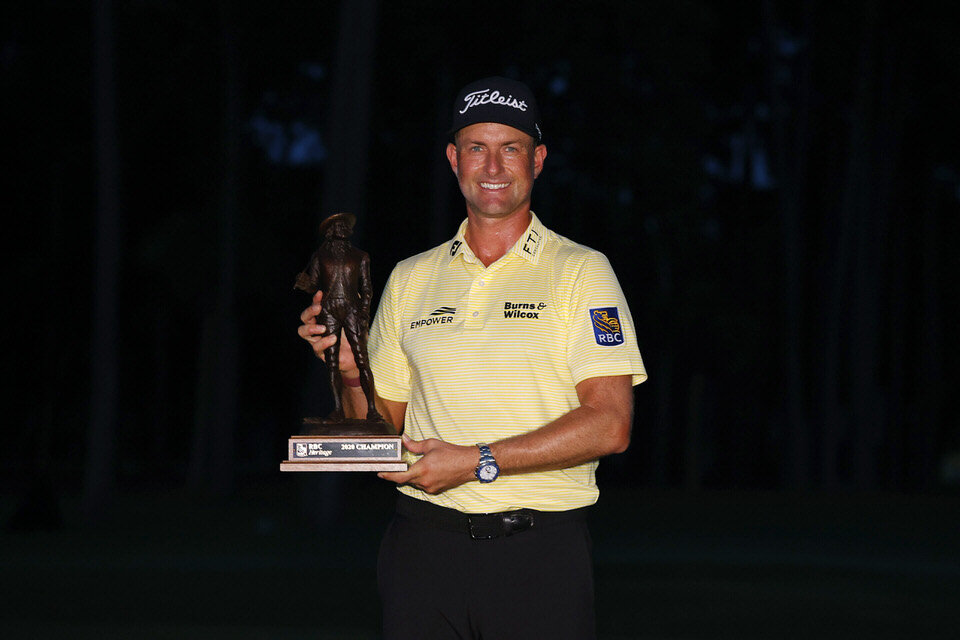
[(777, 185)]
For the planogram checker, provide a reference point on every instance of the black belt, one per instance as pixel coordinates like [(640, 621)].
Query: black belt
[(484, 526)]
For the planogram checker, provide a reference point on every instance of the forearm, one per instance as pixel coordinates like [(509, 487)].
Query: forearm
[(566, 442), (600, 426), (354, 401)]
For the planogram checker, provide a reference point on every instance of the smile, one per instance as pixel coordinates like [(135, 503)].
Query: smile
[(495, 185)]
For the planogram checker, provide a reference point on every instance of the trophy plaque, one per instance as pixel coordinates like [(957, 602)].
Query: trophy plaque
[(344, 445), (339, 443)]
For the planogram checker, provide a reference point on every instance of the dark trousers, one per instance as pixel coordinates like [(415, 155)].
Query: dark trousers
[(437, 582)]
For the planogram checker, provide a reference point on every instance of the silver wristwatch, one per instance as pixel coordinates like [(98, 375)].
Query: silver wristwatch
[(487, 469)]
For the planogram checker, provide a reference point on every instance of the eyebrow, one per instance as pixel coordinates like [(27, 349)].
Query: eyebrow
[(508, 143)]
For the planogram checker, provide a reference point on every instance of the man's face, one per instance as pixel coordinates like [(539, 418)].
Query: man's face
[(496, 166), (339, 229)]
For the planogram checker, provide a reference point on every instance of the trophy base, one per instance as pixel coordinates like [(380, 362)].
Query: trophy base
[(344, 444), (293, 465)]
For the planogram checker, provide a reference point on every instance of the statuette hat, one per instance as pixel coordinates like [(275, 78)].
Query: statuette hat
[(348, 218)]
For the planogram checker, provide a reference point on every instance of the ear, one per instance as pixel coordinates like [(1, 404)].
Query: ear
[(452, 156), (539, 155)]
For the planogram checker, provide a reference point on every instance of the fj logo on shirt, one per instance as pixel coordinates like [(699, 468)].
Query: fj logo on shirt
[(606, 326), (455, 247), (523, 309), (440, 315), (530, 244)]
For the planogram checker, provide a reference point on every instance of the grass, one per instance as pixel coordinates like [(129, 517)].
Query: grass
[(668, 565)]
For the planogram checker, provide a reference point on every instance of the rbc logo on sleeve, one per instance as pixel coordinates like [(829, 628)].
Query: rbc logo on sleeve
[(606, 326)]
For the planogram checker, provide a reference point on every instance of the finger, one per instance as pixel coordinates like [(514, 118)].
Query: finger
[(399, 477), (320, 344), (304, 332), (413, 446), (313, 333), (410, 476), (309, 315)]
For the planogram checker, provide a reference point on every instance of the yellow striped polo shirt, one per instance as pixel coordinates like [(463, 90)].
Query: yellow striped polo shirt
[(484, 353)]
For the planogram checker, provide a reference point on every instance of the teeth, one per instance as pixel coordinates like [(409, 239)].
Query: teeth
[(494, 185)]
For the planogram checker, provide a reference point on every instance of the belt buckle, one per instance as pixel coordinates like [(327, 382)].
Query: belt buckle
[(476, 528)]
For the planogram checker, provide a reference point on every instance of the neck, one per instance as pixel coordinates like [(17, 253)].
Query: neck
[(491, 238)]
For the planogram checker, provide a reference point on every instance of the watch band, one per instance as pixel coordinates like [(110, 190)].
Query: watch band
[(485, 454), (487, 469)]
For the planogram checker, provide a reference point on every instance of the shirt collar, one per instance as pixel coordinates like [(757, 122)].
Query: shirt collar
[(528, 246)]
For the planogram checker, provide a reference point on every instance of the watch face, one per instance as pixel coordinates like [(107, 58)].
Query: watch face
[(487, 472)]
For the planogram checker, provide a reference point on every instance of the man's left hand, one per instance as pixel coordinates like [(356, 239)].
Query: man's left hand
[(443, 465)]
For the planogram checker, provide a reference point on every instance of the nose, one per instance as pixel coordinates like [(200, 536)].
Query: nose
[(492, 164)]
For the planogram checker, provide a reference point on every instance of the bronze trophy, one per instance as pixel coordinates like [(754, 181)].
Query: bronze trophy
[(337, 443)]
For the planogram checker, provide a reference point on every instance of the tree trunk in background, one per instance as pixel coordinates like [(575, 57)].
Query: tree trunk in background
[(348, 119), (930, 396), (790, 164), (100, 463), (897, 434), (56, 362), (39, 507), (226, 393), (213, 459), (887, 269), (159, 438), (344, 189), (865, 410), (441, 218), (663, 366), (692, 442), (203, 407), (835, 421)]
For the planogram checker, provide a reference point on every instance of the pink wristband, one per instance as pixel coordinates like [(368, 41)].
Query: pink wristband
[(351, 382)]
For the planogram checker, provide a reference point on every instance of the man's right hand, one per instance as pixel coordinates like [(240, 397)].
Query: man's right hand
[(314, 333)]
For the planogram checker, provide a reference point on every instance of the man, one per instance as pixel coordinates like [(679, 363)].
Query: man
[(343, 272), (507, 357)]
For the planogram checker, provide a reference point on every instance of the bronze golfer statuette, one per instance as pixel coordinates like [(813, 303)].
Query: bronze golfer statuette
[(337, 443)]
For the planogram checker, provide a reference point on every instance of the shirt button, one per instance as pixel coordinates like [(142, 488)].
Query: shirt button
[(476, 313), (480, 282)]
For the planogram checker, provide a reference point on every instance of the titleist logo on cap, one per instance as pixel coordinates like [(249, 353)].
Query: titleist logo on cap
[(498, 100), (485, 96)]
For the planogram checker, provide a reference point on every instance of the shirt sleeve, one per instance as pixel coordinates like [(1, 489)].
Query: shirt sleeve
[(391, 371), (602, 340)]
